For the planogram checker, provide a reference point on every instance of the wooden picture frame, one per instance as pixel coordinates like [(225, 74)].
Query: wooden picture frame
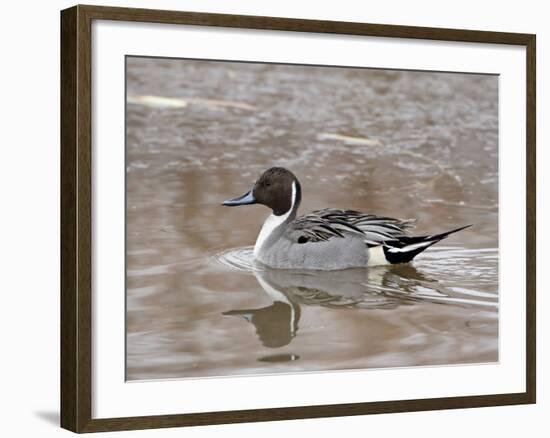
[(76, 217)]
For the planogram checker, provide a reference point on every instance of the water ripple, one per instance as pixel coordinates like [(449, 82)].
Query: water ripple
[(432, 278)]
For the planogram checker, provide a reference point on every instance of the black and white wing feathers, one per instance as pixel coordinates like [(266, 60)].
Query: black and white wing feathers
[(314, 228), (376, 229), (321, 225)]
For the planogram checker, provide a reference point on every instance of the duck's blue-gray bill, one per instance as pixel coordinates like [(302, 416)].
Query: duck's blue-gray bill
[(247, 198)]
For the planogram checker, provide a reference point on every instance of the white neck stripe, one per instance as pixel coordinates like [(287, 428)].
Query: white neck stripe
[(272, 222)]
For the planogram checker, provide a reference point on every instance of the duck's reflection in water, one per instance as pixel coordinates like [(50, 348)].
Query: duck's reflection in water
[(375, 288), (276, 325)]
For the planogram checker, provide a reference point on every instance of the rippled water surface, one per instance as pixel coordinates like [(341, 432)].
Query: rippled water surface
[(402, 144)]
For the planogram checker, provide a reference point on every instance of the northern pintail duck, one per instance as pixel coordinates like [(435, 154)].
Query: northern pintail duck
[(326, 239)]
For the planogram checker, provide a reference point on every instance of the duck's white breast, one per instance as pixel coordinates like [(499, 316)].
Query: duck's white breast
[(269, 225)]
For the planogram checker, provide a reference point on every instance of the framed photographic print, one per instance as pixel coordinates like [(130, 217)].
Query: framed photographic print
[(270, 218)]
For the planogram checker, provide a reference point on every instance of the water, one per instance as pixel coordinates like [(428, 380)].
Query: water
[(402, 144)]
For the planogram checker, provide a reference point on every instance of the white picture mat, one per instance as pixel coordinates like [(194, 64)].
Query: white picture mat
[(113, 397)]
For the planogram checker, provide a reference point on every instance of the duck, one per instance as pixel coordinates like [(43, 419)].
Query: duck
[(328, 239)]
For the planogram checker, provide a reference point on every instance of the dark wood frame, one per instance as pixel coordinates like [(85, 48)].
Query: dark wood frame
[(76, 219)]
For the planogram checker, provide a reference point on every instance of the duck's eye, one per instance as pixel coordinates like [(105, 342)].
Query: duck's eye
[(267, 184)]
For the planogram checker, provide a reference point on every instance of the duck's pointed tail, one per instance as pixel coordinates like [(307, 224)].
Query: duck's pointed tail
[(405, 248)]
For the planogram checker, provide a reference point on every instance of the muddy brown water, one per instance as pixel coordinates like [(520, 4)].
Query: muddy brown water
[(403, 144)]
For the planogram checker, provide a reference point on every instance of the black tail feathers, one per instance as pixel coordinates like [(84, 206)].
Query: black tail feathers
[(406, 248)]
